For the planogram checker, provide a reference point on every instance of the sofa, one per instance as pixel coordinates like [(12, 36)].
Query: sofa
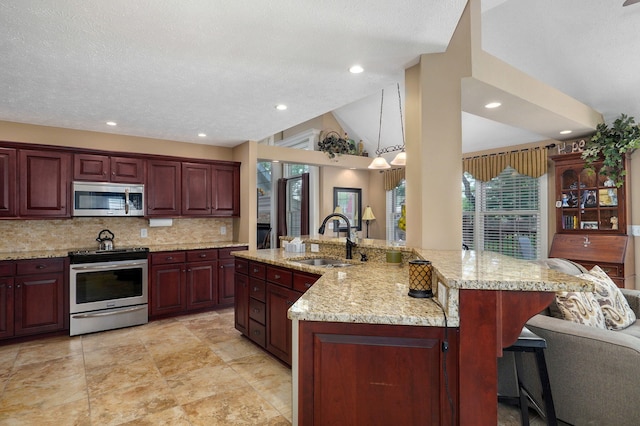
[(594, 373)]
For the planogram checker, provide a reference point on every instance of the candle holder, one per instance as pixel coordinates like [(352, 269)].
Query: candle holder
[(420, 278)]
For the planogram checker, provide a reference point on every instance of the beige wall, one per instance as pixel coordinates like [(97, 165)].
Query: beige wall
[(28, 133)]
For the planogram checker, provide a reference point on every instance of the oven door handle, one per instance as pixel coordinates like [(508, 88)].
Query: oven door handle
[(99, 267), (106, 314)]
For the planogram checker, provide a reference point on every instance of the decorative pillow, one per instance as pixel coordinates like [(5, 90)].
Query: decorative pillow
[(617, 312), (581, 307)]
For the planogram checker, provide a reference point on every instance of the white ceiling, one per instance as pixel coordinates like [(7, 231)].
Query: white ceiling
[(173, 68)]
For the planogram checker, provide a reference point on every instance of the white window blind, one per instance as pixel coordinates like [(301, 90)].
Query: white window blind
[(504, 214)]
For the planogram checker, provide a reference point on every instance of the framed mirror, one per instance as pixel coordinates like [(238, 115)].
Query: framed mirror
[(350, 202)]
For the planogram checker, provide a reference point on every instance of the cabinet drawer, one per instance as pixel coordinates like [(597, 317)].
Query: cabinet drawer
[(258, 270), (242, 266), (197, 255), (279, 276), (257, 310), (39, 266), (257, 333), (168, 257), (257, 289), (225, 253), (7, 269), (302, 281), (614, 271)]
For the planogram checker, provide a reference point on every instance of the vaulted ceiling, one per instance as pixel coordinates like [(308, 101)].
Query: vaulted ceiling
[(172, 69)]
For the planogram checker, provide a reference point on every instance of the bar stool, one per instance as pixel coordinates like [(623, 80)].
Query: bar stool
[(531, 342)]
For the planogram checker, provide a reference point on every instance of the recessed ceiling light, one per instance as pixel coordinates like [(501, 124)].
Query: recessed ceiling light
[(492, 105), (565, 132), (275, 161), (281, 107), (202, 135), (111, 123), (356, 69)]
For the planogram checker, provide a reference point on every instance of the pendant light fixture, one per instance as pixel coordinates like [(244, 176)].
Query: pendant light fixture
[(401, 158), (379, 162)]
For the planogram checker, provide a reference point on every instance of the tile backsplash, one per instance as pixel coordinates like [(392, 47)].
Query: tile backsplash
[(76, 233)]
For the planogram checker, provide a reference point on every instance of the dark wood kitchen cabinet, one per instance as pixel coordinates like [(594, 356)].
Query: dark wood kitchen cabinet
[(188, 281), (7, 271), (376, 374), (32, 297), (44, 183), (226, 275), (210, 190), (39, 296), (8, 163), (163, 188), (104, 168), (226, 190), (264, 294), (196, 189)]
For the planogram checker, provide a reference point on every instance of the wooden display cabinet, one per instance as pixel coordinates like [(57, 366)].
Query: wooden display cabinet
[(591, 219)]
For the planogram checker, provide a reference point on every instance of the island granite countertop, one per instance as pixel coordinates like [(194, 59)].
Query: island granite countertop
[(376, 293)]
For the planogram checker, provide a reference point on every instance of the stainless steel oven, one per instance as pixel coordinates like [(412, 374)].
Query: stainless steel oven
[(108, 289)]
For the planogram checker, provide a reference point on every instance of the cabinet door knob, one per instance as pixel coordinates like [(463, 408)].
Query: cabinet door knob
[(277, 277), (41, 266), (221, 266), (255, 270), (203, 255), (255, 289), (169, 257)]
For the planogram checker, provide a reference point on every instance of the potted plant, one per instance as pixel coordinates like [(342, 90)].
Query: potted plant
[(333, 144), (612, 144)]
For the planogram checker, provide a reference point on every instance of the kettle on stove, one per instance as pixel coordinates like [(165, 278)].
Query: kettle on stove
[(105, 240)]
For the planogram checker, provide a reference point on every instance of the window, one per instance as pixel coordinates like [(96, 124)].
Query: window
[(505, 215), (395, 201)]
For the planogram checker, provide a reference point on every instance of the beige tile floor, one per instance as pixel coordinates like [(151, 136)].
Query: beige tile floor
[(191, 370)]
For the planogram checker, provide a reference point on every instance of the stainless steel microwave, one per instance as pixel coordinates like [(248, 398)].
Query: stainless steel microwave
[(108, 199)]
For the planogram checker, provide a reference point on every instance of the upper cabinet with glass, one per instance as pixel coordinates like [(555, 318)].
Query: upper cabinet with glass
[(587, 201)]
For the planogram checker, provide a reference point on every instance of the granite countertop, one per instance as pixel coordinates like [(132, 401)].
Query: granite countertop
[(376, 293), (43, 254)]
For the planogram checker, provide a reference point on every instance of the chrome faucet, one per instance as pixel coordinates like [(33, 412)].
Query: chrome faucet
[(350, 244)]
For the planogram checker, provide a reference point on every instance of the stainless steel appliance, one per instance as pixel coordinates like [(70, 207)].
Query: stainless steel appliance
[(108, 289), (108, 199)]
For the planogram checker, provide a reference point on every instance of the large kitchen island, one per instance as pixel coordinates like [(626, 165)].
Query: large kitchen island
[(364, 352)]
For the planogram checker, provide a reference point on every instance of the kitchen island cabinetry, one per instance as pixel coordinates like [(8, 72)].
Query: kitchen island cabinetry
[(376, 374), (8, 164), (33, 297), (367, 353), (104, 168), (264, 294), (44, 183), (226, 274)]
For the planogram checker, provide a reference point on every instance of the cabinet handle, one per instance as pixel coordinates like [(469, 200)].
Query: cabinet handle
[(308, 285), (41, 266), (256, 332), (289, 303), (9, 286), (169, 258), (18, 286), (221, 266), (255, 289), (277, 277), (255, 270), (203, 255)]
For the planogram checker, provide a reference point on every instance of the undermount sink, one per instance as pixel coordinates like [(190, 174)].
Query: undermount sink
[(324, 262)]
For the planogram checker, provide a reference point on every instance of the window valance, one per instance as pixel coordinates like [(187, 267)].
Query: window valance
[(392, 178), (530, 162)]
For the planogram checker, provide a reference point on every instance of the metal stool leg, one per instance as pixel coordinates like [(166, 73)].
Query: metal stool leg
[(524, 403), (550, 410)]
